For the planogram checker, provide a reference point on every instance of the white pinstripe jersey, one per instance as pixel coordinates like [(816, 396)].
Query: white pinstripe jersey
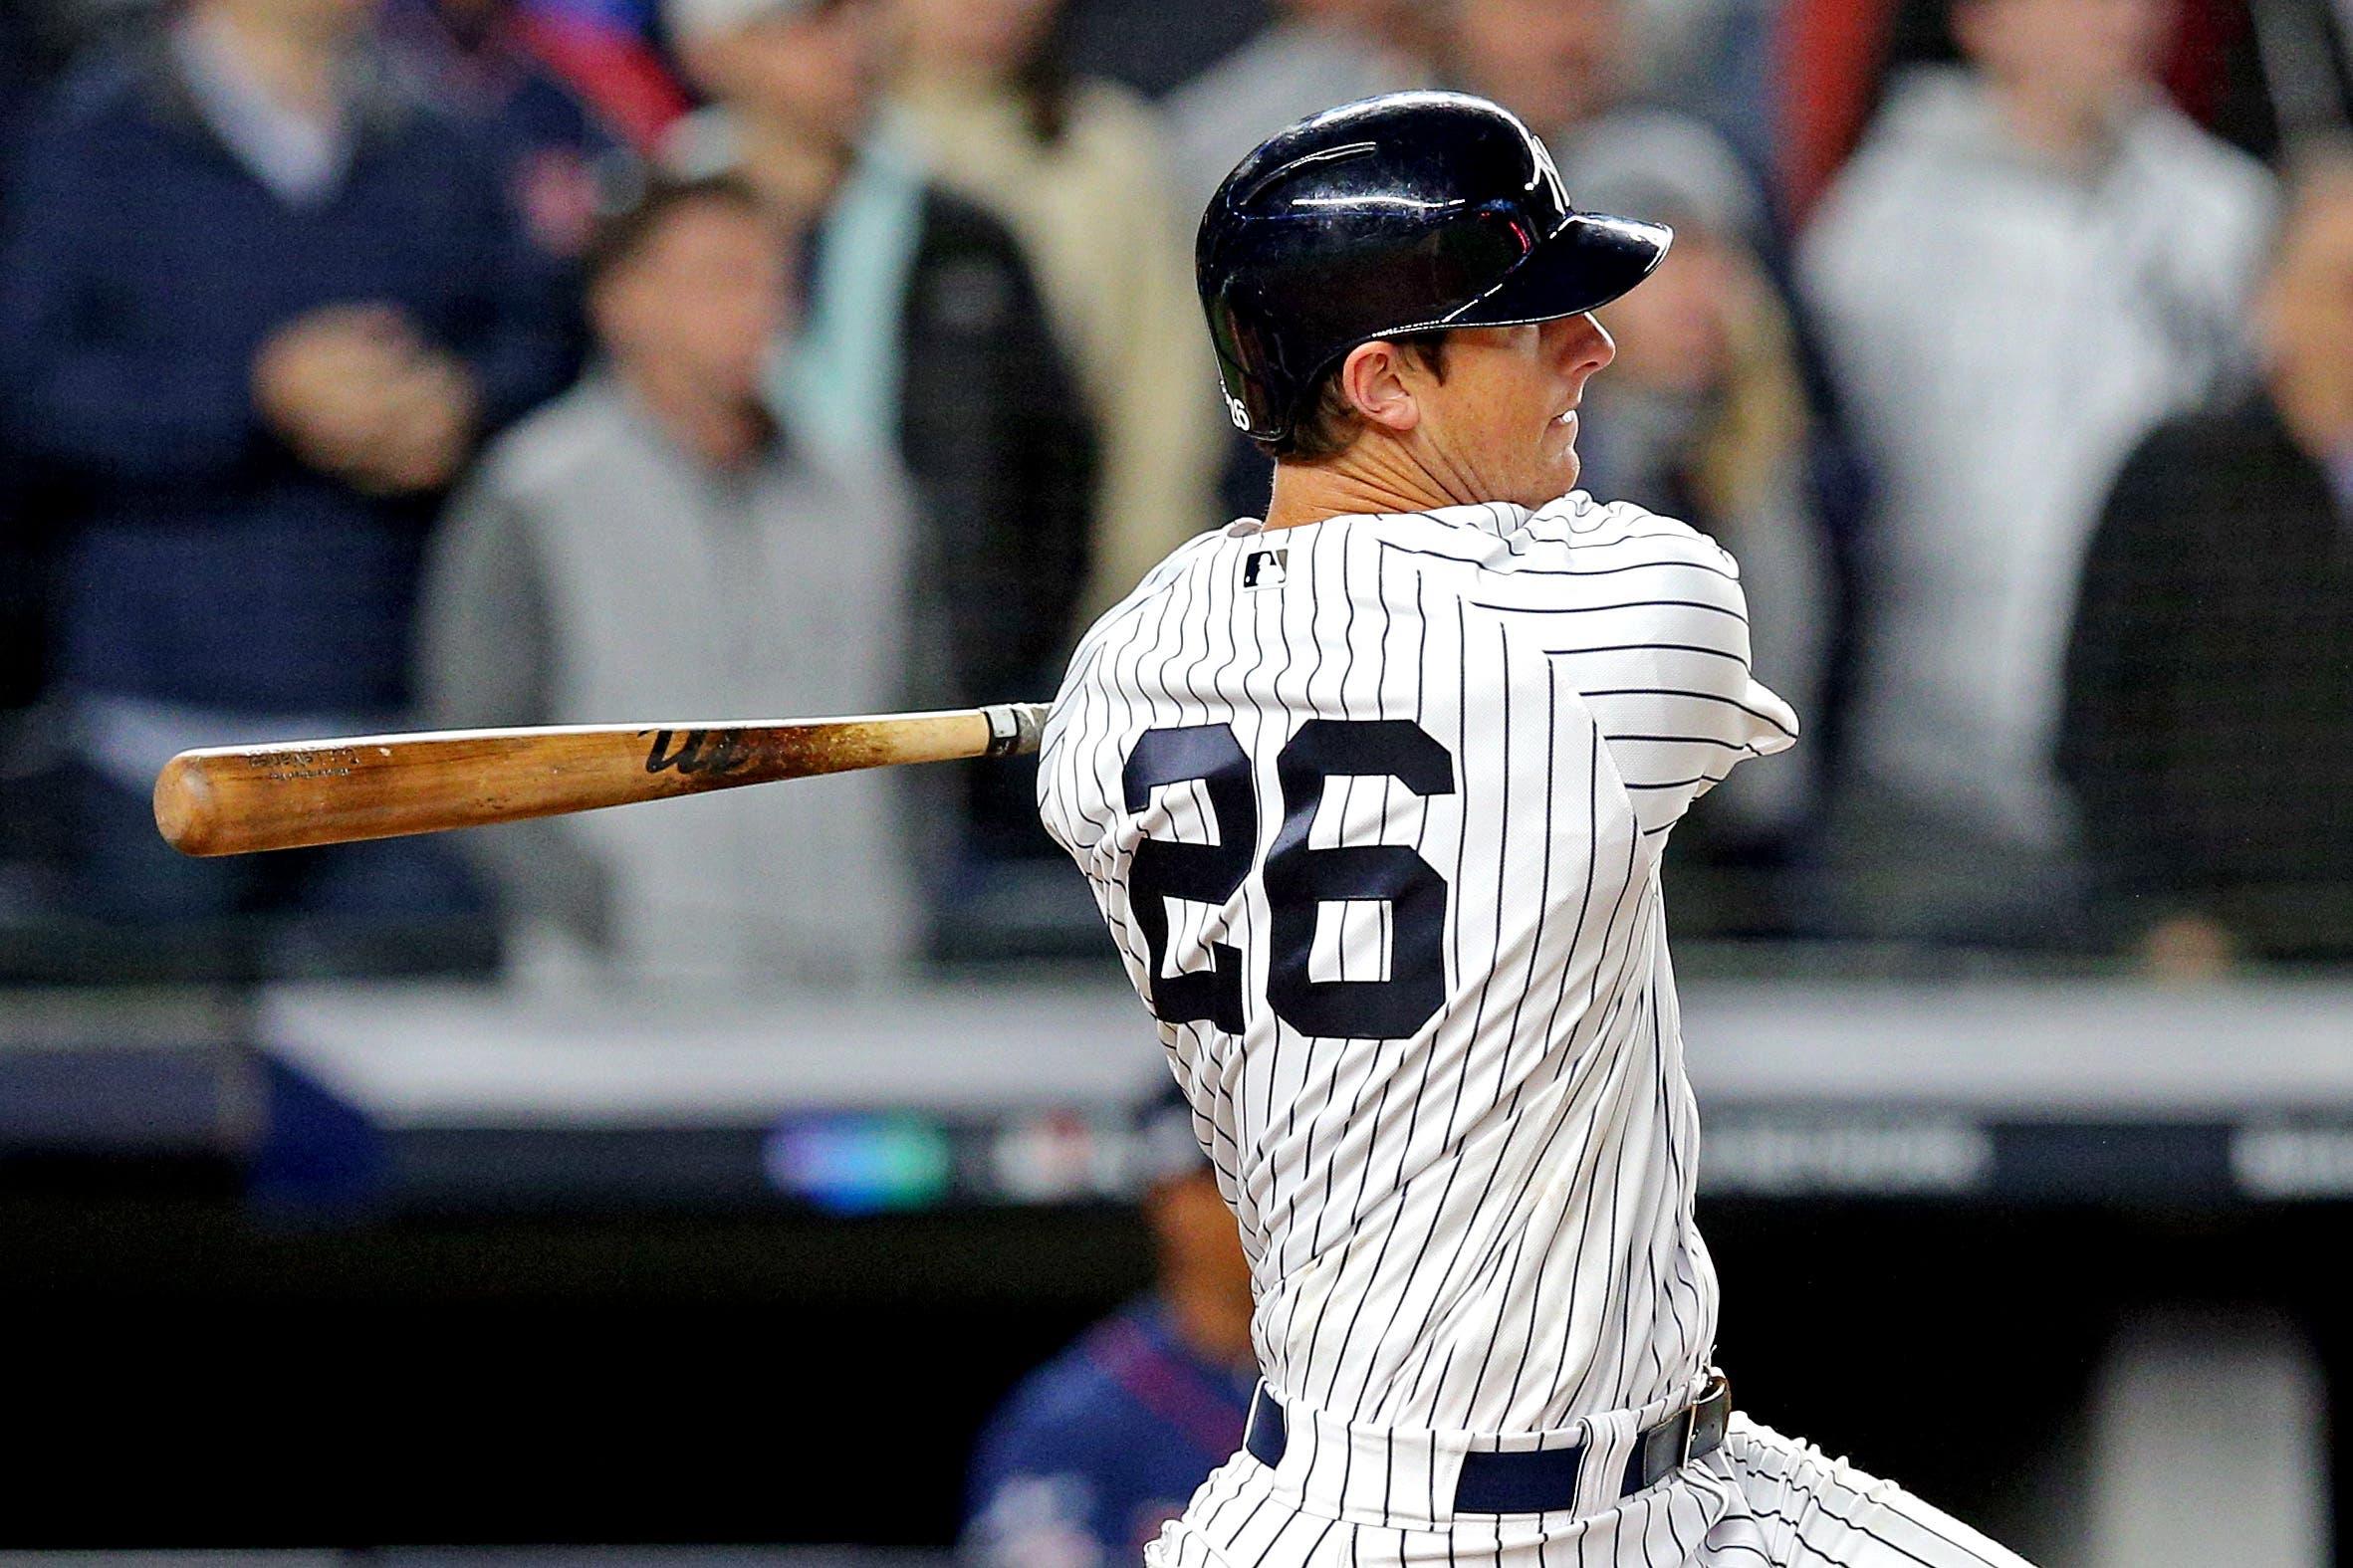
[(1373, 809)]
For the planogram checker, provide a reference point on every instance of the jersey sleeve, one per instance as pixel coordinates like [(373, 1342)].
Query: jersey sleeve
[(1645, 618), (1078, 793)]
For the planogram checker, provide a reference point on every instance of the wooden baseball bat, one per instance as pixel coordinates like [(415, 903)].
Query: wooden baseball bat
[(233, 799)]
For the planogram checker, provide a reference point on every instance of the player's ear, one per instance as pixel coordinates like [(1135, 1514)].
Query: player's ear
[(1373, 379)]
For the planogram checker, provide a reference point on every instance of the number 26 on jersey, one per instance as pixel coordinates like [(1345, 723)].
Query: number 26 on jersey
[(1298, 879)]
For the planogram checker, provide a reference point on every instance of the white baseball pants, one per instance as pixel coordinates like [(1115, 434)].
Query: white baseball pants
[(1761, 1501)]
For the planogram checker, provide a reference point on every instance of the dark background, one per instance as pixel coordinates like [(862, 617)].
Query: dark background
[(781, 1376)]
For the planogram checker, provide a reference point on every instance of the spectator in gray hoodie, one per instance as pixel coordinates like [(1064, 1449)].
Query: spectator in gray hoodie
[(652, 547), (2032, 260)]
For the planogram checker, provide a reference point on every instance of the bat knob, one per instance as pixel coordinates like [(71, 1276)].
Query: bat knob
[(184, 813)]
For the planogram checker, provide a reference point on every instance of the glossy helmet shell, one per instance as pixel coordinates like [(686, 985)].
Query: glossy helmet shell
[(1398, 214)]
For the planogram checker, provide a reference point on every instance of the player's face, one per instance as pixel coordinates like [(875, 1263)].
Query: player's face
[(1502, 425)]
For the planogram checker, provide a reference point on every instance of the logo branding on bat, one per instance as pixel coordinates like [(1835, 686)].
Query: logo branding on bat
[(285, 766), (699, 753)]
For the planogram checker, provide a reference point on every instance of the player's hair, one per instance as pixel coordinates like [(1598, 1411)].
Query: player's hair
[(634, 208), (1327, 421)]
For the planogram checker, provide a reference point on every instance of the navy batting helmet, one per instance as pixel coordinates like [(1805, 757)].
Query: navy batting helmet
[(1404, 213)]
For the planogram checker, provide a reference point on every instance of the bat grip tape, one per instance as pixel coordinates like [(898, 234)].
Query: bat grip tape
[(1013, 728)]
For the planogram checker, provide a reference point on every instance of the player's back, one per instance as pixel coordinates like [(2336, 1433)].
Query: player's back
[(1374, 807)]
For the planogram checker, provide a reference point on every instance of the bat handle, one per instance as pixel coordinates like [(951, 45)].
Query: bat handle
[(1014, 727)]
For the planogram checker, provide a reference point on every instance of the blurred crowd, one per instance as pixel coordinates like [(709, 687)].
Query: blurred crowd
[(374, 364)]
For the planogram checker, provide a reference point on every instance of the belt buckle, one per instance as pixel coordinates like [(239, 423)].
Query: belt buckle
[(1690, 1420)]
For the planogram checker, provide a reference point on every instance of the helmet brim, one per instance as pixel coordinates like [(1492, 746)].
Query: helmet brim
[(1590, 260)]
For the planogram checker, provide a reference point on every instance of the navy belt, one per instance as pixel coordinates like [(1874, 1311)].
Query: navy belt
[(1542, 1481)]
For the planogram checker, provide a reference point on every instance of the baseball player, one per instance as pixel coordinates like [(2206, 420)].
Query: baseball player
[(1373, 793)]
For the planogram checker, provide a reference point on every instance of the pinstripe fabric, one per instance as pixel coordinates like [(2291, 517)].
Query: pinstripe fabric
[(1473, 1229), (1761, 1501), (1485, 1226)]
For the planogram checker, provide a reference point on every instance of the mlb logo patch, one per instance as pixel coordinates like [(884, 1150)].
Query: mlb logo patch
[(1262, 569)]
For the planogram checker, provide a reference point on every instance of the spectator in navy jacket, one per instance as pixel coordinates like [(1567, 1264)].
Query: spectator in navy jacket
[(257, 308)]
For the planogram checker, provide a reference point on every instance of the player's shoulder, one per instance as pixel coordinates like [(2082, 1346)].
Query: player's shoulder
[(1582, 517), (1148, 598), (1574, 534)]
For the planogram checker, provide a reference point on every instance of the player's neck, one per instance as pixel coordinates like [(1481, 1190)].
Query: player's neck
[(1310, 492)]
